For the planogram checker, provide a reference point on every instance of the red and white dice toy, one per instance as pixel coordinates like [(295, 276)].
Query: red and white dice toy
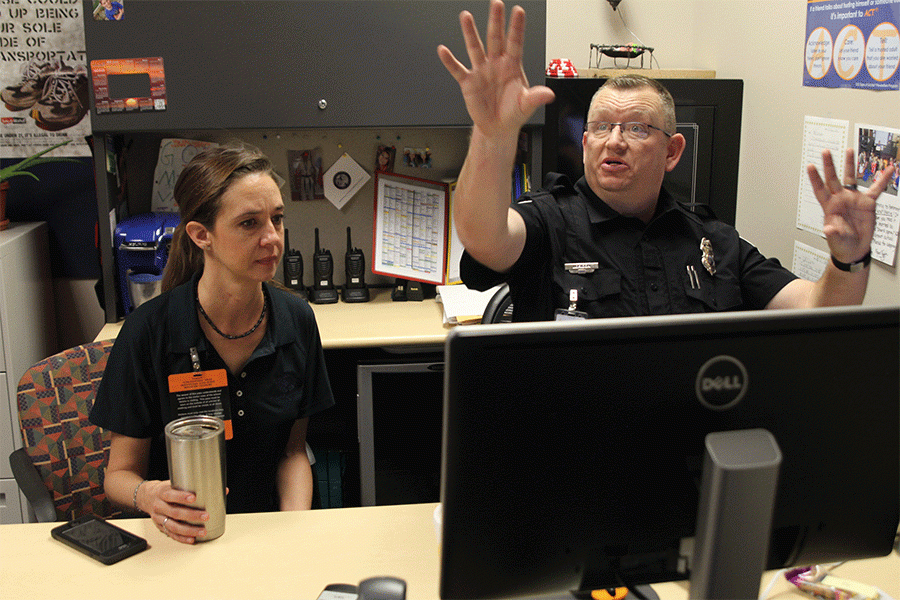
[(561, 67)]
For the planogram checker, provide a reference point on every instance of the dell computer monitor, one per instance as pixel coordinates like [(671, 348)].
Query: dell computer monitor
[(572, 451)]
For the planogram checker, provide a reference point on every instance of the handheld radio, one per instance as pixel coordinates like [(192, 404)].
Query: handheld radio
[(414, 291), (323, 291), (355, 289), (292, 264)]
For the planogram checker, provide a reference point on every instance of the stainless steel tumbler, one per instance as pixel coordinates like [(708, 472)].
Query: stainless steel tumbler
[(196, 450)]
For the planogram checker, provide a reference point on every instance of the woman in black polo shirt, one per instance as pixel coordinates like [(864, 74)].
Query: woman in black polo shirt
[(217, 299)]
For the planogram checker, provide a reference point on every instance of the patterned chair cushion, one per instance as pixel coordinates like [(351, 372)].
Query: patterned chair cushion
[(54, 398)]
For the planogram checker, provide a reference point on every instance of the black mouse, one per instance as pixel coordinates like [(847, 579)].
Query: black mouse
[(382, 588)]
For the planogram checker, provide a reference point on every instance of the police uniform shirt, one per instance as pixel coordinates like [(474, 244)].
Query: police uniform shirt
[(651, 269), (284, 380)]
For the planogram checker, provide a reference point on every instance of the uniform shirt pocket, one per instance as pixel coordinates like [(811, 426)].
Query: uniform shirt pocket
[(716, 293), (599, 293), (599, 285)]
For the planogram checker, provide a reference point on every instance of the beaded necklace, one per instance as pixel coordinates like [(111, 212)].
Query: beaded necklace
[(227, 336)]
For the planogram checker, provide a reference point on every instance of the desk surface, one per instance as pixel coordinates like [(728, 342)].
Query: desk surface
[(281, 555), (377, 323)]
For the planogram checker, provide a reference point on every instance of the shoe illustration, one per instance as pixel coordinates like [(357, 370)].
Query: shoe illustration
[(64, 99), (28, 91)]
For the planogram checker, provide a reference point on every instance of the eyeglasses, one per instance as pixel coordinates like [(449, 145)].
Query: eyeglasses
[(633, 130)]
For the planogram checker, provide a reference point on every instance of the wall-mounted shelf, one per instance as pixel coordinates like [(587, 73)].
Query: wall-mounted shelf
[(652, 73)]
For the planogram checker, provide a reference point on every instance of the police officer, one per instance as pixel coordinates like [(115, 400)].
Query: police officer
[(615, 243)]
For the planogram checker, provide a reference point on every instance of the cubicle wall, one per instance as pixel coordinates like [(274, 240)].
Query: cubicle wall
[(232, 65)]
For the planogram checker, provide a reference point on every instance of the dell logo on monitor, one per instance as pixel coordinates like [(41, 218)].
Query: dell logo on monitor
[(721, 382)]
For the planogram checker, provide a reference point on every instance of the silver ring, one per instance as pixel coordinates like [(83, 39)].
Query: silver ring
[(850, 186), (164, 523)]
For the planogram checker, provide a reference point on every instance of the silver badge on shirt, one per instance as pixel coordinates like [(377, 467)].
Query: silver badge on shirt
[(709, 259)]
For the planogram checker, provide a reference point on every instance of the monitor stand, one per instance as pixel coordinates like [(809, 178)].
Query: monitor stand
[(734, 518), (644, 592)]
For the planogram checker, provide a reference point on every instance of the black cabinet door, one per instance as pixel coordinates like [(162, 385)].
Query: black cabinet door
[(298, 64)]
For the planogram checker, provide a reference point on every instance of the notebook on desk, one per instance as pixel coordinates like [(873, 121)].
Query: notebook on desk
[(463, 306)]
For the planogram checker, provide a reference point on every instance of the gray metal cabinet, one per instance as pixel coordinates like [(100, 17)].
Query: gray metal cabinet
[(27, 335)]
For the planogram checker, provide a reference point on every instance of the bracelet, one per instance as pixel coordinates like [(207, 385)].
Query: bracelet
[(134, 496), (854, 266)]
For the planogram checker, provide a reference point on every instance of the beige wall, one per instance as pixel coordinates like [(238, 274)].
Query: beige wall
[(761, 42)]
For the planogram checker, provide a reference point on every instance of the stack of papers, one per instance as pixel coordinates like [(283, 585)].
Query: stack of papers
[(463, 306)]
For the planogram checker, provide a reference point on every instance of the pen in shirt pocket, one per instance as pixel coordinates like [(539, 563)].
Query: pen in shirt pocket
[(694, 278)]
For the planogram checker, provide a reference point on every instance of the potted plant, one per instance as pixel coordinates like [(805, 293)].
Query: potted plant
[(21, 168)]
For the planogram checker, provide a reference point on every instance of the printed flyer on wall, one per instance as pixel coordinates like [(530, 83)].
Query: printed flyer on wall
[(852, 44), (43, 78)]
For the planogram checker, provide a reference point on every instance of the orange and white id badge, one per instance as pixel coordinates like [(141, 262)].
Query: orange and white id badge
[(201, 393)]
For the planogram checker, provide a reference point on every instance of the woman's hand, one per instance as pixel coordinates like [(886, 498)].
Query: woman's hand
[(172, 512), (168, 508)]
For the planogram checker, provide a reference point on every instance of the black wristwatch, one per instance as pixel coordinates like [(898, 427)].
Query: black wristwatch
[(854, 266)]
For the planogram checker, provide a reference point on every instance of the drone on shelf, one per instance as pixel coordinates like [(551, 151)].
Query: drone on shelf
[(628, 52), (620, 51)]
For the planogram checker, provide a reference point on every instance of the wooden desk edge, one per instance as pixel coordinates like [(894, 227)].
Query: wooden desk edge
[(401, 538), (379, 323)]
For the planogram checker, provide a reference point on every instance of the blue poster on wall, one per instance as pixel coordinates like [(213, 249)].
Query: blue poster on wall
[(852, 44)]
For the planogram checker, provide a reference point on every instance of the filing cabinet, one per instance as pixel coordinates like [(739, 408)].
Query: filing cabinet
[(27, 335)]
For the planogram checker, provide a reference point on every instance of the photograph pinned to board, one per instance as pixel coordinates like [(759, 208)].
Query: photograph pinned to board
[(343, 180), (417, 158), (384, 158), (878, 148), (109, 10), (305, 174)]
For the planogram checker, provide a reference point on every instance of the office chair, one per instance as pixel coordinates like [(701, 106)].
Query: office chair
[(499, 308), (60, 467)]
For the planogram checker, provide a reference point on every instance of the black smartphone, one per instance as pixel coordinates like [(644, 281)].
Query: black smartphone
[(99, 539)]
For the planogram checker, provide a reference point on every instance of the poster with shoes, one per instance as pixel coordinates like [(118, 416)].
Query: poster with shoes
[(43, 78)]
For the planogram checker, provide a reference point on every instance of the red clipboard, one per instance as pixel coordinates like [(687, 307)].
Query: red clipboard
[(411, 222)]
